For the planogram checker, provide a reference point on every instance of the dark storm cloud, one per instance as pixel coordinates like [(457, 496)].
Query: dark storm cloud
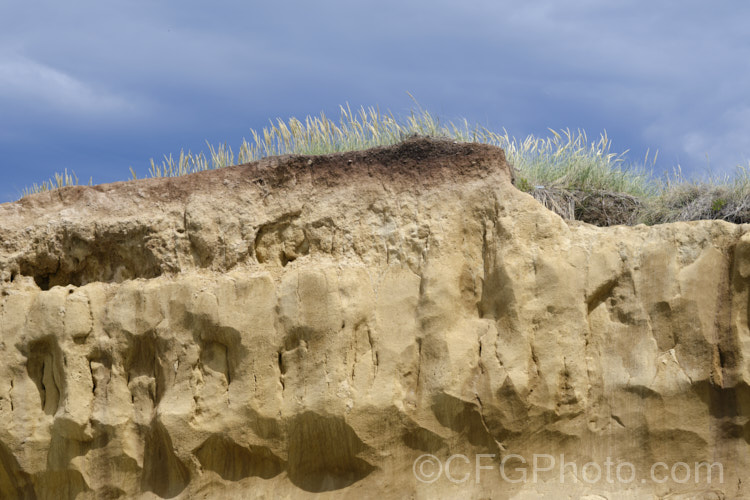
[(99, 86)]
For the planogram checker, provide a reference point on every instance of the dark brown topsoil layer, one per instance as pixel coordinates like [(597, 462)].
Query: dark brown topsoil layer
[(415, 161)]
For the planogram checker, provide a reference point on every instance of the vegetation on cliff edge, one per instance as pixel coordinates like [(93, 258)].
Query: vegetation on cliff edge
[(569, 173)]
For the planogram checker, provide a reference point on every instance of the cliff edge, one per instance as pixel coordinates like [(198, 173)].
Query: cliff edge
[(399, 322)]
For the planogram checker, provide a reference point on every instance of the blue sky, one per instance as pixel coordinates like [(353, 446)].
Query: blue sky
[(97, 87)]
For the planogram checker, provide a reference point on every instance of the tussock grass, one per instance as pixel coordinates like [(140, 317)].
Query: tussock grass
[(577, 177), (566, 160), (718, 197), (59, 180), (362, 129)]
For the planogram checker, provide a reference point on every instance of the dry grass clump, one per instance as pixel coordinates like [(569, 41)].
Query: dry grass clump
[(574, 176), (58, 181), (598, 207), (726, 198)]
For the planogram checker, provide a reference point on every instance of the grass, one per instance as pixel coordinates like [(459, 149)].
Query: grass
[(362, 129), (718, 197), (58, 181), (575, 176)]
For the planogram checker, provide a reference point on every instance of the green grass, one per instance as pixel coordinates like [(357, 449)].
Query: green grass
[(568, 172)]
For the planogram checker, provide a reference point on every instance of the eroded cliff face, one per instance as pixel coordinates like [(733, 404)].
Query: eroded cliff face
[(315, 324)]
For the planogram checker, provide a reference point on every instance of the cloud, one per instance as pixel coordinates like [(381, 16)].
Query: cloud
[(726, 143), (29, 83)]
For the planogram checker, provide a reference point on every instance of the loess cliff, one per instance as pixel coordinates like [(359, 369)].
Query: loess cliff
[(325, 325)]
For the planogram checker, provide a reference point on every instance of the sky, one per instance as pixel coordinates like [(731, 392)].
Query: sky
[(97, 87)]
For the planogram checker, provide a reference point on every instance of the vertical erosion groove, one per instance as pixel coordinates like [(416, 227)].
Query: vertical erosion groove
[(43, 368), (163, 472)]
